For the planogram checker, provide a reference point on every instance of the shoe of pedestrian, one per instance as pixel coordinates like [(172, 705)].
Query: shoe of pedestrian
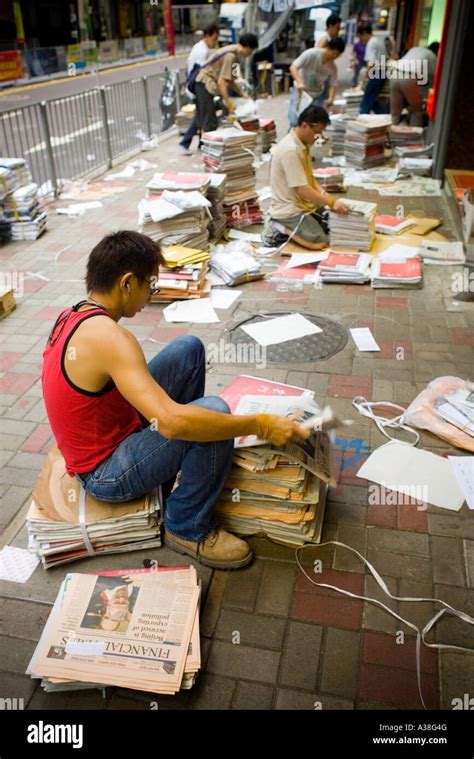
[(185, 151), (219, 550)]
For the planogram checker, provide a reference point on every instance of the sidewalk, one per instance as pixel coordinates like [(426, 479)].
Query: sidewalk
[(299, 644)]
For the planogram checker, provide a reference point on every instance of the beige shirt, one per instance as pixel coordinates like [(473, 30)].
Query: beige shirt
[(225, 67), (291, 167)]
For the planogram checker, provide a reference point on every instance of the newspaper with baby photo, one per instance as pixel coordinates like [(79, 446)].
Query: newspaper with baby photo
[(137, 629)]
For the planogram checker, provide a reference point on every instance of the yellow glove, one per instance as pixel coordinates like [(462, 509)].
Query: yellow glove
[(279, 430)]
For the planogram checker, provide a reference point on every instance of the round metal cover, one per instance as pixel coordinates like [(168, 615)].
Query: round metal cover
[(318, 347)]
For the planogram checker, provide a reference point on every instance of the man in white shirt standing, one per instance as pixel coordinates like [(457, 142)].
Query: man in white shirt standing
[(198, 55), (375, 58), (310, 71), (333, 26)]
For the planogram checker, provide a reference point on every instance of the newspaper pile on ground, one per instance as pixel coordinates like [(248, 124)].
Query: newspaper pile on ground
[(266, 134), (216, 194), (64, 523), (176, 218), (135, 628), (418, 165), (184, 276), (235, 264), (398, 272), (187, 181), (336, 130), (184, 117), (353, 100), (232, 151), (331, 178), (22, 210), (347, 267), (277, 492), (386, 224), (415, 187), (404, 136), (364, 144), (19, 175), (355, 229)]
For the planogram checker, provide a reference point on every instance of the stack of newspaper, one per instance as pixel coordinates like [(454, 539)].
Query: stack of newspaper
[(353, 100), (336, 130), (406, 274), (345, 267), (176, 218), (266, 134), (404, 136), (22, 210), (184, 117), (235, 265), (7, 182), (277, 492), (364, 144), (331, 179), (186, 181), (419, 165), (184, 276), (355, 229), (20, 172), (63, 525), (232, 151), (392, 225), (216, 194), (133, 628)]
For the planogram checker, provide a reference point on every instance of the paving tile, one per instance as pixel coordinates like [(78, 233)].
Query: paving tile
[(327, 607), (299, 700), (457, 677), (399, 541), (250, 696), (243, 586), (341, 663), (469, 554), (250, 629), (33, 618), (384, 650), (240, 661), (411, 568), (374, 617), (211, 692), (37, 440), (396, 687), (450, 629), (16, 654), (448, 565), (212, 607), (416, 612), (299, 665), (355, 537), (454, 525), (276, 588)]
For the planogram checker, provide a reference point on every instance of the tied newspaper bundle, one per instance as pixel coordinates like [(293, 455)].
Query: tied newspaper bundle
[(184, 276), (216, 194), (336, 131), (176, 218), (134, 628), (277, 492), (418, 165), (352, 268), (386, 224), (331, 179), (235, 264), (64, 523), (364, 143), (21, 217), (231, 151), (266, 134), (397, 266), (406, 136), (355, 229)]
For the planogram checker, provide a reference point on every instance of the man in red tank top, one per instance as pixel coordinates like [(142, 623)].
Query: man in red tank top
[(125, 426)]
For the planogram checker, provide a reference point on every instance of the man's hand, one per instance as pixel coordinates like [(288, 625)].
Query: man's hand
[(340, 207), (279, 430), (300, 86), (230, 106), (328, 104)]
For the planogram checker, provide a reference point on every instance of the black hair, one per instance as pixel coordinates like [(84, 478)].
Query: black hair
[(337, 43), (333, 20), (249, 40), (313, 114), (434, 47), (309, 42), (365, 28), (118, 253), (210, 30)]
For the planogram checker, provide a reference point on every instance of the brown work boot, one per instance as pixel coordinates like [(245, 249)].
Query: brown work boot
[(219, 550)]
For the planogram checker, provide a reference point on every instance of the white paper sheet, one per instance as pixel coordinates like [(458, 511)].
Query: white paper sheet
[(364, 339), (300, 259), (224, 298), (281, 329), (199, 311), (265, 251), (398, 253), (419, 474), (77, 209), (463, 469), (128, 171), (16, 564), (237, 234)]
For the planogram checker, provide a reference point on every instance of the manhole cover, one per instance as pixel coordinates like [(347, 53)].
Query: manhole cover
[(319, 347)]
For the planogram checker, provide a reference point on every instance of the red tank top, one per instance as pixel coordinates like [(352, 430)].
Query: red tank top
[(88, 426)]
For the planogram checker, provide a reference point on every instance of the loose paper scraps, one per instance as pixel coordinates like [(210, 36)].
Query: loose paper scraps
[(16, 564), (364, 339), (198, 311), (281, 329)]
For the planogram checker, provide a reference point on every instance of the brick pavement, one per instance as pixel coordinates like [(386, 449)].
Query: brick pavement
[(300, 646)]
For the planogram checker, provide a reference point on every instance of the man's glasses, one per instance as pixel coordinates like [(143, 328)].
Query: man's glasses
[(153, 288)]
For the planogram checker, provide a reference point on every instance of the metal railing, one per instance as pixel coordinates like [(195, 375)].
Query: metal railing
[(84, 134)]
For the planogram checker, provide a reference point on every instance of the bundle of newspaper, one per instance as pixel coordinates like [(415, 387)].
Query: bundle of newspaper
[(419, 165), (235, 264), (266, 134), (331, 178), (277, 492), (392, 225), (20, 173), (364, 144), (176, 218), (132, 628), (344, 267), (184, 276), (353, 100), (184, 117), (405, 151), (406, 274), (64, 523), (442, 253), (355, 229), (5, 231), (216, 194), (402, 136), (7, 182), (232, 151), (336, 130), (179, 180), (22, 210)]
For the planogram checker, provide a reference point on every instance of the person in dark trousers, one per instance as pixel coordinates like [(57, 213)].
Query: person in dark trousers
[(198, 57), (375, 59), (217, 76)]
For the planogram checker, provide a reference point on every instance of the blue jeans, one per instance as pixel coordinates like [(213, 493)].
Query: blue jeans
[(187, 138), (146, 459), (372, 90)]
